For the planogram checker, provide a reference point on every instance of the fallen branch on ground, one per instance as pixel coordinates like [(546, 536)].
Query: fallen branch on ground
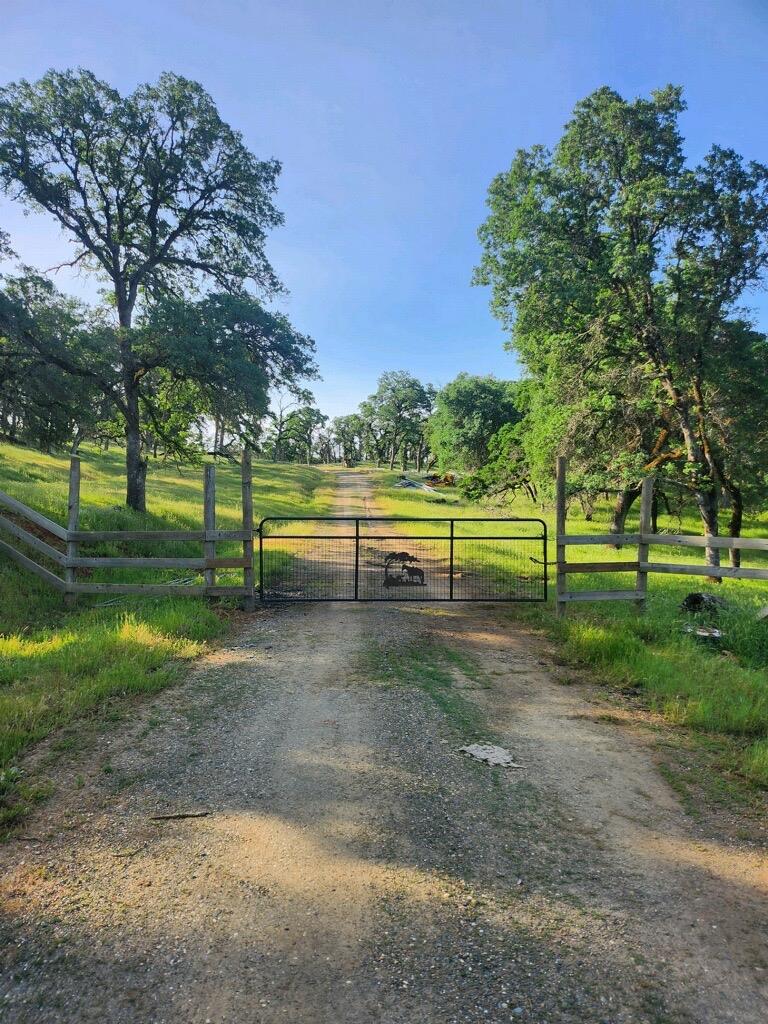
[(179, 814)]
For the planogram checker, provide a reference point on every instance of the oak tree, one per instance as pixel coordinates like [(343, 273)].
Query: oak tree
[(468, 412), (610, 251), (157, 194)]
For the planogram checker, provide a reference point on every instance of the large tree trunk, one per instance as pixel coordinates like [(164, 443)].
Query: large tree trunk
[(77, 440), (693, 428), (708, 507), (659, 499), (698, 453), (737, 518), (624, 501), (135, 463)]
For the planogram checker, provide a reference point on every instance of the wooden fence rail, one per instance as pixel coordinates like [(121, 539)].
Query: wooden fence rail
[(642, 566), (68, 555)]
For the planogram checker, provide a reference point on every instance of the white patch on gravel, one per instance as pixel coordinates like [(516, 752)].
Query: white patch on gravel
[(491, 754)]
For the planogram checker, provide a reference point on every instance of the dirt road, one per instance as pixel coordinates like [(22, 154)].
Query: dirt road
[(355, 867)]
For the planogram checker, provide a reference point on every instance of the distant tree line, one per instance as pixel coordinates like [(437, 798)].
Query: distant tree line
[(405, 424), (389, 428)]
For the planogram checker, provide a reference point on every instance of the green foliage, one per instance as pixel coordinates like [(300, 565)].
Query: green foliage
[(505, 470), (348, 433), (302, 427), (227, 350), (395, 417), (284, 401), (39, 330), (468, 411), (153, 188), (389, 425), (618, 270)]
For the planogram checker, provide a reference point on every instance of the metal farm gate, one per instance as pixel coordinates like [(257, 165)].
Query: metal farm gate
[(347, 558)]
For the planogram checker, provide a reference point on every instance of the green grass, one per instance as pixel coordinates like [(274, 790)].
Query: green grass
[(58, 665), (717, 690)]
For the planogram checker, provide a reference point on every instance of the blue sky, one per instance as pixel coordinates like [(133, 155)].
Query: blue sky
[(390, 119)]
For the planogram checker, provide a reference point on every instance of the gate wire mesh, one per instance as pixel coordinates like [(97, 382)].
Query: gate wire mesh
[(353, 559)]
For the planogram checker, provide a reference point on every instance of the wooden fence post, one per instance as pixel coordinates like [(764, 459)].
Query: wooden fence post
[(646, 507), (561, 581), (73, 517), (248, 601), (209, 521)]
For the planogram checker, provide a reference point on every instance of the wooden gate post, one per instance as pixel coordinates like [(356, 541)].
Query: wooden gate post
[(249, 600), (73, 517), (561, 581), (209, 521), (646, 506)]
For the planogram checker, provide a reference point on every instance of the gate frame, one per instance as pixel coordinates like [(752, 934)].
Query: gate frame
[(356, 537)]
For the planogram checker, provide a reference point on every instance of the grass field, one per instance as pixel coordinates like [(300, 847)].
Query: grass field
[(57, 665), (721, 691)]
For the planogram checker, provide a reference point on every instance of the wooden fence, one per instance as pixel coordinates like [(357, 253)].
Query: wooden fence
[(641, 566), (63, 546), (61, 549)]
